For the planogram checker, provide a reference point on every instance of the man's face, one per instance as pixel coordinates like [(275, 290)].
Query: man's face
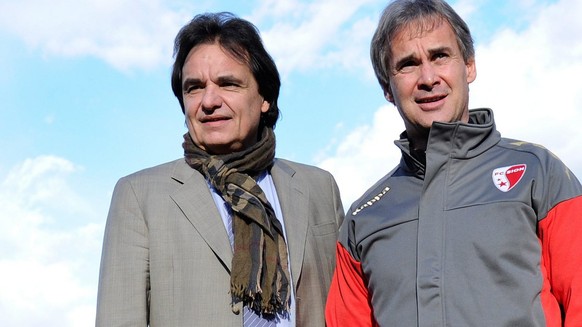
[(429, 80), (221, 100)]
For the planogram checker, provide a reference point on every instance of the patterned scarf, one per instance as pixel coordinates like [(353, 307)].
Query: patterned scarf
[(260, 269)]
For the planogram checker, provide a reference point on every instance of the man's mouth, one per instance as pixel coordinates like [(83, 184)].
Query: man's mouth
[(213, 119), (430, 99)]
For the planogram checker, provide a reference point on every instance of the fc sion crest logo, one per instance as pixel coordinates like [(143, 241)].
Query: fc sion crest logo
[(505, 178)]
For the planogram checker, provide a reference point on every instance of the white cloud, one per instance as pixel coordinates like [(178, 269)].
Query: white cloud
[(529, 78), (466, 8), (124, 33), (365, 154), (50, 247), (318, 34), (129, 34)]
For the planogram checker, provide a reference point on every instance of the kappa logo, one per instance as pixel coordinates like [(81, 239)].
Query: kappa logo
[(371, 201), (505, 178)]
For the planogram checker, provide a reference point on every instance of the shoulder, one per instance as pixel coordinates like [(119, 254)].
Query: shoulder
[(540, 155), (373, 194), (309, 178), (296, 168), (169, 173), (554, 181), (164, 169), (524, 146)]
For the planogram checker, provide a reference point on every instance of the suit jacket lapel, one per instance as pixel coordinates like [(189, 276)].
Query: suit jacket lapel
[(195, 201), (293, 198)]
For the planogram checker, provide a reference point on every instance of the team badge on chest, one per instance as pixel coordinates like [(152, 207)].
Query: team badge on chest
[(505, 178)]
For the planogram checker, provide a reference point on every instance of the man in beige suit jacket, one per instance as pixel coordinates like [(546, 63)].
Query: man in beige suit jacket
[(170, 256)]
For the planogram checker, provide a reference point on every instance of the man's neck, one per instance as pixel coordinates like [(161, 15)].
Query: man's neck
[(418, 139)]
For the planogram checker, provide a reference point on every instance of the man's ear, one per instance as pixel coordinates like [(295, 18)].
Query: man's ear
[(471, 70), (388, 94), (265, 106)]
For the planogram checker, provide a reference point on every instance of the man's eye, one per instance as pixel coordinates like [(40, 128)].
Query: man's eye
[(192, 88), (440, 55), (407, 66), (229, 85)]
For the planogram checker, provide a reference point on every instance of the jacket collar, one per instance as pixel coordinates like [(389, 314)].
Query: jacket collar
[(453, 140), (294, 200), (193, 198)]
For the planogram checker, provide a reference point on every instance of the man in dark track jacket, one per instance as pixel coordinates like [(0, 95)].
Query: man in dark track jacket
[(470, 229)]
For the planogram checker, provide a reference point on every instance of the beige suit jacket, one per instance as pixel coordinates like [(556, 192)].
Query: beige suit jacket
[(166, 255)]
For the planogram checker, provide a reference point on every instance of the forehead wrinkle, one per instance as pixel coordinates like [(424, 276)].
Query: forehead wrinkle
[(419, 27), (222, 69)]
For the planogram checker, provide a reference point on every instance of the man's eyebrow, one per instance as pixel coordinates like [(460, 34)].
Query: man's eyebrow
[(444, 49), (229, 79), (404, 60), (189, 82), (412, 57), (226, 79)]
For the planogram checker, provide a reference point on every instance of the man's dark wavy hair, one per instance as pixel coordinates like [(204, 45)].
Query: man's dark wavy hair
[(240, 39)]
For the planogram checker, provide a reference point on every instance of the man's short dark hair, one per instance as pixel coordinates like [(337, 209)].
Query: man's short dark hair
[(424, 13), (240, 39)]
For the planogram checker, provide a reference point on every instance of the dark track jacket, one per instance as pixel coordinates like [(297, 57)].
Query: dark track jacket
[(487, 233)]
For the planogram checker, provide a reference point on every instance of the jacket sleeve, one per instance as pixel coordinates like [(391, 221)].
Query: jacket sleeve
[(124, 275), (348, 301), (560, 234)]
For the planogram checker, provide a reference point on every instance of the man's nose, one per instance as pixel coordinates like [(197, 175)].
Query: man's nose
[(211, 98), (428, 76)]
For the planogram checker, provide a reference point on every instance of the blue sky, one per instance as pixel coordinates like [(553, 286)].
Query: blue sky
[(85, 99)]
